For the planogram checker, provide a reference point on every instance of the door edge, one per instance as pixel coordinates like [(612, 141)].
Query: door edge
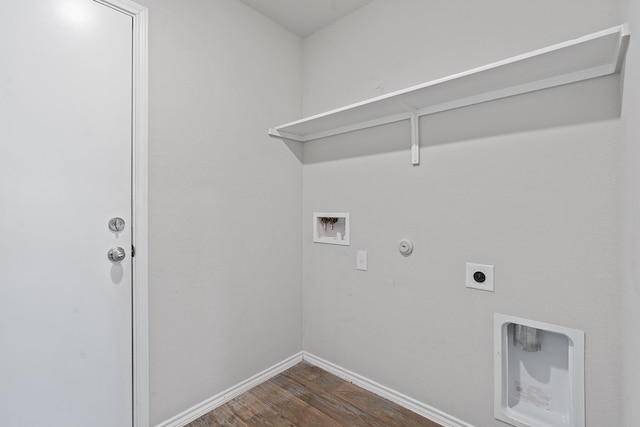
[(140, 238)]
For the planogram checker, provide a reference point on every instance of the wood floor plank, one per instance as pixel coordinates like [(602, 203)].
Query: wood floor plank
[(318, 376), (330, 404), (293, 408), (248, 405), (254, 411), (307, 396), (246, 410), (223, 416), (384, 410)]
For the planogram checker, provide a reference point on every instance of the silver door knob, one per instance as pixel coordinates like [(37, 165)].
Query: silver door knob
[(116, 254)]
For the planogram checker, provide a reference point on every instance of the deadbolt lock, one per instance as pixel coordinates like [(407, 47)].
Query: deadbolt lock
[(116, 224)]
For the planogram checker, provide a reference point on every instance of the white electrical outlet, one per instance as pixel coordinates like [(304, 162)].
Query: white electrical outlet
[(361, 260), (480, 276)]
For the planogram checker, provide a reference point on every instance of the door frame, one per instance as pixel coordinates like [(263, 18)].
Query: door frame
[(140, 237)]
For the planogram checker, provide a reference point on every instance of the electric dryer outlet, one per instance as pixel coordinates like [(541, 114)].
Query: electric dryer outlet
[(479, 276)]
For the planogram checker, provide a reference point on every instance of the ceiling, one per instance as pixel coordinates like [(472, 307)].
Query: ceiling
[(305, 17)]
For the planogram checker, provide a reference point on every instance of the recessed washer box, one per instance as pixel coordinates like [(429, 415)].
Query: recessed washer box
[(331, 228)]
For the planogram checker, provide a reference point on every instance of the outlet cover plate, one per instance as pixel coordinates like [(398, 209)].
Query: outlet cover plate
[(486, 270), (361, 260)]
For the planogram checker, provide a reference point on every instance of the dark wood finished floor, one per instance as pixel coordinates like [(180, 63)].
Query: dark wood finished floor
[(307, 396)]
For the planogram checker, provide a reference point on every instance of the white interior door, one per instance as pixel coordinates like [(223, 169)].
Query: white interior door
[(65, 170)]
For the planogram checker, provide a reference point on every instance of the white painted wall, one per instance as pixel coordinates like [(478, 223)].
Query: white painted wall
[(389, 45), (225, 199), (631, 283), (531, 184)]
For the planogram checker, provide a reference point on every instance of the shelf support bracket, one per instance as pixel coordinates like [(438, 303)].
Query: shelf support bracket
[(415, 132), (415, 138)]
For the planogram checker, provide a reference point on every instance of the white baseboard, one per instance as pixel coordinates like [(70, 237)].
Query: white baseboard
[(405, 401), (210, 404)]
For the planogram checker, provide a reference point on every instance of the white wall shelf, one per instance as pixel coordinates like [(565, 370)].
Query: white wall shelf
[(594, 55)]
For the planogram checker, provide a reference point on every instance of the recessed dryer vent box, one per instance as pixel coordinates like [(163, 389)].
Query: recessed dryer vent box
[(538, 372), (331, 228)]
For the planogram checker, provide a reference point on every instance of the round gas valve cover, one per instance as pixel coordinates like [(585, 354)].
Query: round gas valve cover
[(405, 247)]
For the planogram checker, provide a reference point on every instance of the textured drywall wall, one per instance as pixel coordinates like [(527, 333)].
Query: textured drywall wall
[(530, 184), (389, 45), (225, 199), (631, 283)]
